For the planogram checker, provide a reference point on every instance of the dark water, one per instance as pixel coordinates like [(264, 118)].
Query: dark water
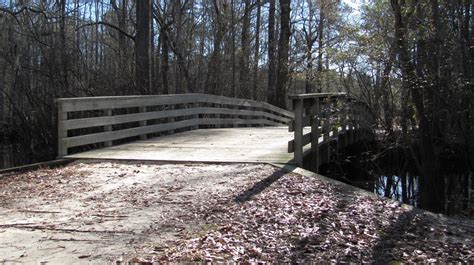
[(357, 167), (397, 187)]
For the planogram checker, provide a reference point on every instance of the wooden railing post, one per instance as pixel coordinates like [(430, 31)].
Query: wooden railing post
[(325, 119), (218, 116), (335, 126), (143, 123), (345, 121), (341, 117), (314, 116), (327, 128), (108, 128), (262, 118), (235, 117), (170, 119), (298, 110), (62, 132), (195, 116), (358, 120), (352, 121)]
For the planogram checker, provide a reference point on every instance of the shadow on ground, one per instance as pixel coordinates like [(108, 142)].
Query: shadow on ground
[(260, 186)]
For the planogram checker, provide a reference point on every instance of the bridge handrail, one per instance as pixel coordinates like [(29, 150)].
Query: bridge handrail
[(155, 114), (328, 115)]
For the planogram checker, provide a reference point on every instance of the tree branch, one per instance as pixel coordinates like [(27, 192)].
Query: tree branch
[(108, 25)]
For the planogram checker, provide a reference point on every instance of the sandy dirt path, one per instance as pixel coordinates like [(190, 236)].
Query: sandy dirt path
[(98, 212)]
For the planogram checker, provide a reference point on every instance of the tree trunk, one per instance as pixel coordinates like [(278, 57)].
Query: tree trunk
[(142, 46), (164, 59), (468, 68), (430, 197), (64, 59), (257, 52), (309, 40), (271, 53), (320, 47), (386, 93), (283, 50), (213, 70), (177, 45), (232, 22), (245, 55)]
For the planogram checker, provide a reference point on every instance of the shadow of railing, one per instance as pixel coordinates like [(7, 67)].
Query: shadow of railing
[(261, 185)]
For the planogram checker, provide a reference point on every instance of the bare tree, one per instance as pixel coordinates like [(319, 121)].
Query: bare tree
[(142, 44), (283, 53)]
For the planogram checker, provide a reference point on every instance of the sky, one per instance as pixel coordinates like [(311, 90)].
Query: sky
[(355, 5)]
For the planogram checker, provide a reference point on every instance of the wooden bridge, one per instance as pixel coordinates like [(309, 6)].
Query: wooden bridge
[(209, 128)]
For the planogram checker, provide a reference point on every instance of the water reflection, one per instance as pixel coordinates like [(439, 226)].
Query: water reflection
[(403, 189)]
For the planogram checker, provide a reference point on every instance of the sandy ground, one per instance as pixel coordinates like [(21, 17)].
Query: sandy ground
[(98, 212)]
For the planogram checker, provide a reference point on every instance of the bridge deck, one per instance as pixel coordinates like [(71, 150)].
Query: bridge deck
[(250, 144)]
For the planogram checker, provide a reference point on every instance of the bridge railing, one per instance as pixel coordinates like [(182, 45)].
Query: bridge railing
[(322, 117), (104, 121)]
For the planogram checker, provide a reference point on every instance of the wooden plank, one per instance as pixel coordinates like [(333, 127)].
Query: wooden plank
[(233, 121), (204, 98), (115, 135), (256, 144), (316, 95), (120, 134), (283, 112), (306, 139), (99, 103), (119, 119), (143, 116), (306, 122)]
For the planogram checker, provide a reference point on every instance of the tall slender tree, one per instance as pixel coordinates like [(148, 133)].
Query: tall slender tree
[(142, 46), (271, 54), (283, 53)]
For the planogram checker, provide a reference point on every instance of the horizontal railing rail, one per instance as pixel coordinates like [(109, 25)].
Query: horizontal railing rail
[(102, 120), (321, 117)]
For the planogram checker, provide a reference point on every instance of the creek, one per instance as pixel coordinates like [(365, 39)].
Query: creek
[(392, 173)]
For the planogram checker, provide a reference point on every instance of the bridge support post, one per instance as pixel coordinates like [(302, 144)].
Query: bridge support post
[(170, 119), (62, 132), (298, 110), (314, 116), (143, 123), (195, 116), (235, 117), (327, 128), (353, 123), (344, 122), (108, 128), (335, 128)]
